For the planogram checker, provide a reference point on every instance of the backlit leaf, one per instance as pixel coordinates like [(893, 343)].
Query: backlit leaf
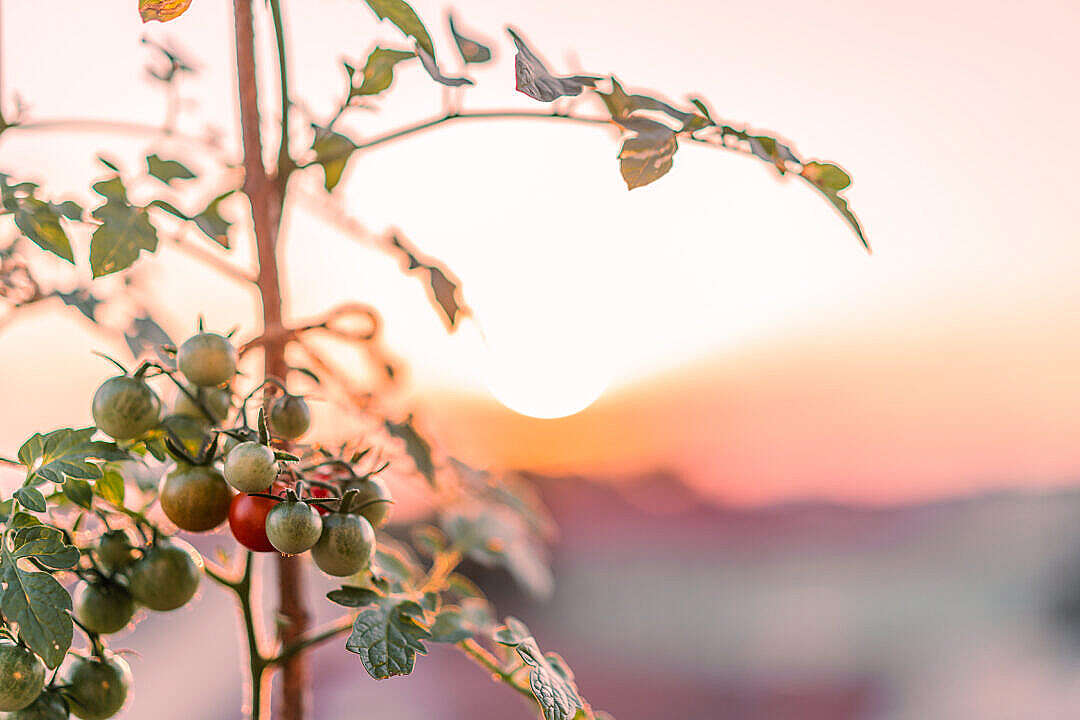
[(534, 79), (38, 220), (111, 486), (378, 72), (406, 19), (145, 336), (455, 623), (66, 453), (472, 51), (82, 300), (332, 151), (125, 230), (415, 445), (162, 10), (550, 678), (445, 289), (829, 180), (167, 170)]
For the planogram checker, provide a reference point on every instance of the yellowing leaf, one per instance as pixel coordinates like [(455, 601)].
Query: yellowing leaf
[(162, 10)]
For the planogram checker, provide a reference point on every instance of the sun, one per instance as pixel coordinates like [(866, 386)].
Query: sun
[(533, 376)]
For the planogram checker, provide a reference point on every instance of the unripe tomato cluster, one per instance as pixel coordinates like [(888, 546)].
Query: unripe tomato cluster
[(239, 474)]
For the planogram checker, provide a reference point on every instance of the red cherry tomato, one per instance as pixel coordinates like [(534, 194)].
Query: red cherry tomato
[(247, 520)]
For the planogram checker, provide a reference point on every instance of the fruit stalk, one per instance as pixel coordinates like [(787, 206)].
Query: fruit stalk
[(266, 196)]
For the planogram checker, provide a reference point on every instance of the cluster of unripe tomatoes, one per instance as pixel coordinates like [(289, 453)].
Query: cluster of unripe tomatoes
[(247, 477)]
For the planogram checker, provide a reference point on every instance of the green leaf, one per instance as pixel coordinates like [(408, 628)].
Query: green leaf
[(396, 564), (212, 223), (622, 105), (445, 290), (145, 336), (332, 151), (46, 544), (406, 19), (387, 636), (550, 678), (31, 499), (38, 220), (429, 540), (432, 68), (111, 486), (647, 155), (125, 230), (167, 170), (415, 445), (772, 151), (472, 51), (829, 180), (65, 453), (378, 72), (352, 596), (69, 209), (535, 80), (454, 623), (79, 492), (42, 609), (41, 224)]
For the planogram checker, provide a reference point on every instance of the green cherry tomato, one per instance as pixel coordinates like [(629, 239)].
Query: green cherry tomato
[(167, 576), (207, 359), (196, 498), (103, 607), (22, 676), (290, 417), (218, 401), (115, 551), (125, 407), (97, 687), (346, 546), (373, 500), (250, 467), (50, 705), (293, 527)]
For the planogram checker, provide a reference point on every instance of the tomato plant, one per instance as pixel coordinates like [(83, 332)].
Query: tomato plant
[(100, 508)]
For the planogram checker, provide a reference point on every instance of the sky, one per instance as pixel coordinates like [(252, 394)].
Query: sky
[(720, 323)]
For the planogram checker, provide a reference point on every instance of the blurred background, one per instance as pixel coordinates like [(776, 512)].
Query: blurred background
[(792, 480)]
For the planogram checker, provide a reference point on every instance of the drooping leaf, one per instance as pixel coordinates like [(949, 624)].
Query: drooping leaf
[(387, 635), (352, 596), (829, 180), (536, 81), (66, 453), (472, 51), (167, 170), (210, 220), (378, 72), (432, 68), (647, 155), (125, 230), (42, 609), (82, 300), (550, 678), (162, 10), (406, 19), (445, 289), (45, 544), (415, 445), (31, 498), (36, 219), (332, 151)]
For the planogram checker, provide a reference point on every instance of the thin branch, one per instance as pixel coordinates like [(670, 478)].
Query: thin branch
[(111, 126), (285, 162), (213, 260), (485, 659), (338, 627)]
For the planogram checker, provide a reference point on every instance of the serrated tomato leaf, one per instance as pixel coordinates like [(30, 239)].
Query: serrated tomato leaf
[(550, 678), (66, 453), (415, 445), (124, 232), (41, 607), (387, 635), (445, 289), (535, 80), (454, 623), (36, 219)]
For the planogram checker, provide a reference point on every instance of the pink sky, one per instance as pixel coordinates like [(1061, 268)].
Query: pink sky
[(742, 335)]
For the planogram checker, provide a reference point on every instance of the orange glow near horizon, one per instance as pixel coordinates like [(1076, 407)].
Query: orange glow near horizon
[(719, 323)]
